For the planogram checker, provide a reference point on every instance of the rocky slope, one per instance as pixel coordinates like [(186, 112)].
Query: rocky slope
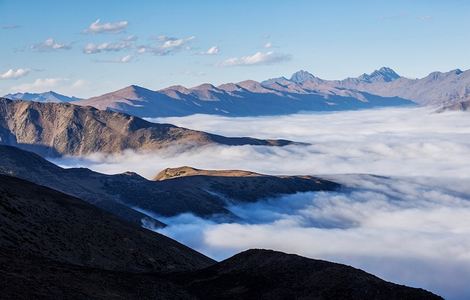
[(459, 106), (121, 193), (60, 128), (55, 246)]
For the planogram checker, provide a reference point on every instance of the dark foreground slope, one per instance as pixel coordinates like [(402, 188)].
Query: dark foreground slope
[(54, 129), (55, 246), (38, 221), (119, 194)]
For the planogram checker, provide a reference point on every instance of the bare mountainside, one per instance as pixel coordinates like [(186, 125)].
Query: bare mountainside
[(121, 193), (54, 246), (60, 128)]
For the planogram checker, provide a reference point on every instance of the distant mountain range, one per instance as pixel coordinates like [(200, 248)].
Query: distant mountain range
[(42, 97), (247, 98), (301, 92), (55, 129), (55, 246)]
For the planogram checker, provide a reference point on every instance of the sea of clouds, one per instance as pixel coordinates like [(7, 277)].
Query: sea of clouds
[(410, 224)]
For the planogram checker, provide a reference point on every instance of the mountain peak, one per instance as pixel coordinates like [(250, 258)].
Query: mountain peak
[(302, 76), (383, 74)]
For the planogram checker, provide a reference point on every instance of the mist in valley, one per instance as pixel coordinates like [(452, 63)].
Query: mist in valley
[(403, 214)]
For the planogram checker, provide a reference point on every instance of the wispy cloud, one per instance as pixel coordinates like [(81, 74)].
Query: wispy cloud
[(425, 18), (259, 58), (47, 84), (122, 60), (110, 27), (268, 45), (50, 45), (12, 26), (14, 74), (167, 45), (39, 84), (130, 38)]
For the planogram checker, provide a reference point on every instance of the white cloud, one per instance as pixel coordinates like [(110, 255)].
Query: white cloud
[(92, 48), (14, 74), (259, 58), (110, 27), (268, 45), (50, 45)]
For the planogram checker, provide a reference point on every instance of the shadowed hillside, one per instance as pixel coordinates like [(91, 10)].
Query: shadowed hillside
[(55, 246)]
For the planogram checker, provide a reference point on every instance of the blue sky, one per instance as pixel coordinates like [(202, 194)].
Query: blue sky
[(160, 43)]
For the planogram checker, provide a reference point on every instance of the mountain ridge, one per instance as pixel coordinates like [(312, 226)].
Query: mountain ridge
[(55, 129), (246, 98), (126, 195), (303, 91)]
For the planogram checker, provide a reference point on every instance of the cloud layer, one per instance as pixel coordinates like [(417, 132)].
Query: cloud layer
[(409, 225), (401, 229)]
